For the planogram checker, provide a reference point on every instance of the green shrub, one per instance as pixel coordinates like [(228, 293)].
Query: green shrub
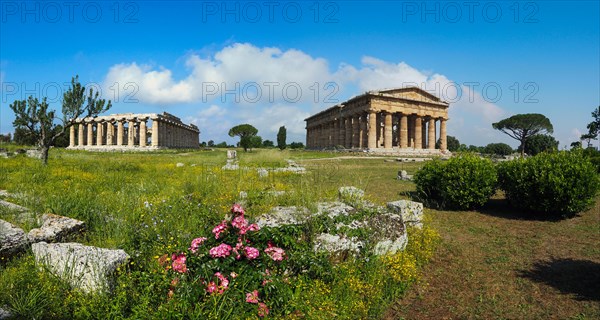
[(563, 182), (501, 149), (463, 182)]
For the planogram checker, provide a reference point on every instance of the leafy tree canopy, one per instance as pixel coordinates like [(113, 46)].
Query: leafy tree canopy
[(522, 126)]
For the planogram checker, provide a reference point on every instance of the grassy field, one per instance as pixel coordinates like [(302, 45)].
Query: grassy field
[(491, 263)]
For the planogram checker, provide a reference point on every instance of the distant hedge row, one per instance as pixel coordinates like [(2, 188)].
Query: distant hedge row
[(564, 182)]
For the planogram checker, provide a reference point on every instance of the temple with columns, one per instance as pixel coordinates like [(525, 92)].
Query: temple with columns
[(401, 120), (129, 131)]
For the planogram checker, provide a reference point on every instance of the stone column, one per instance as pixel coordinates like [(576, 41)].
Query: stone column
[(424, 134), (403, 131), (81, 135), (120, 132), (342, 135), (72, 136), (364, 141), (130, 133), (99, 133), (348, 140), (90, 134), (411, 131), (431, 134), (372, 130), (356, 131), (418, 132), (155, 132), (143, 132), (380, 133), (110, 133), (443, 144), (387, 137)]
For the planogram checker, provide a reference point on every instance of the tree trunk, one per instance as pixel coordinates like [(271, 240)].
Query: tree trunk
[(45, 154)]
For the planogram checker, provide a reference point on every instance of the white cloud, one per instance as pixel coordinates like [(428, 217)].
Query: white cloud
[(249, 70)]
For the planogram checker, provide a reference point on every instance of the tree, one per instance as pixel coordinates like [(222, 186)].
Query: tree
[(588, 137), (211, 143), (593, 127), (281, 136), (244, 131), (296, 145), (522, 126), (255, 142), (451, 143), (24, 137), (540, 143), (501, 149), (268, 144), (5, 138), (34, 116), (576, 145)]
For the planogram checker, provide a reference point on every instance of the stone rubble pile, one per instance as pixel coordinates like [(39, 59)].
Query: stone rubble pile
[(85, 267), (386, 227)]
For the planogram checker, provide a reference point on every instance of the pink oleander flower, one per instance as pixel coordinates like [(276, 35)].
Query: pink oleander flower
[(233, 275), (179, 262), (239, 222), (274, 252), (253, 227), (251, 253), (223, 281), (252, 297), (218, 229), (237, 209), (211, 287), (263, 311), (196, 244), (221, 251)]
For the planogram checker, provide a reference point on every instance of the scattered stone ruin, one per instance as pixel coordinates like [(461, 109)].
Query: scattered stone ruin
[(129, 131), (401, 120)]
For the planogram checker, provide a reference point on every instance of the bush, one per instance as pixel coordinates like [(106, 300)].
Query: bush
[(563, 182), (501, 149), (463, 182)]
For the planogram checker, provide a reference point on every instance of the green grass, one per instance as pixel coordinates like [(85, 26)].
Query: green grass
[(491, 264), (145, 204)]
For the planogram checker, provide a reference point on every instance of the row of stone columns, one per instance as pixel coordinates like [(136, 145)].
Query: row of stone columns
[(164, 133), (376, 130)]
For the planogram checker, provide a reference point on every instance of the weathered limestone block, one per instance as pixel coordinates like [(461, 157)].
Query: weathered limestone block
[(351, 195), (34, 153), (12, 206), (55, 228), (84, 267), (388, 232), (5, 314), (12, 239), (263, 173), (334, 209), (337, 245), (403, 175), (411, 212), (231, 154), (280, 216), (231, 165)]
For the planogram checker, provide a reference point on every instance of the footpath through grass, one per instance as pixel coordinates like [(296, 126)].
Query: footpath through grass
[(496, 264)]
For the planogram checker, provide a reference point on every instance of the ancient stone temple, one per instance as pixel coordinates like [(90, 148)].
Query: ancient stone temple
[(129, 131), (396, 120)]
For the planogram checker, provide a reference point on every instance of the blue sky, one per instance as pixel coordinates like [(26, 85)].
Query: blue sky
[(207, 61)]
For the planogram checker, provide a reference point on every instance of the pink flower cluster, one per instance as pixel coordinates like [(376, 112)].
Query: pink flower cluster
[(274, 252), (252, 297), (219, 283), (179, 262), (218, 287), (221, 251), (196, 243), (217, 230)]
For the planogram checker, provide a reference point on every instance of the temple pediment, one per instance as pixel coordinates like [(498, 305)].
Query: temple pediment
[(412, 93)]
